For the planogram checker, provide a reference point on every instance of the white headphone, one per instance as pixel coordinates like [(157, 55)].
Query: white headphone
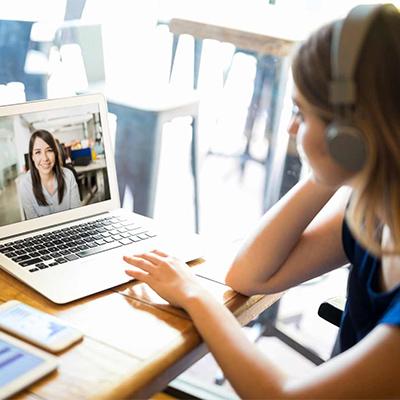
[(345, 142)]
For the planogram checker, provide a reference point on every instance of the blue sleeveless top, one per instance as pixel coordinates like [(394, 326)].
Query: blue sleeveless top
[(366, 305)]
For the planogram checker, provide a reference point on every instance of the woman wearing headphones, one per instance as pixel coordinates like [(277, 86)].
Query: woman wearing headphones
[(47, 187), (347, 124)]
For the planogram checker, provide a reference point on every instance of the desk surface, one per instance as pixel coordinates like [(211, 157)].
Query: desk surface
[(94, 165), (134, 342)]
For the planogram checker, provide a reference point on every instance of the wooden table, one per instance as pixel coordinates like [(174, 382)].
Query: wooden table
[(252, 24), (259, 30), (134, 342)]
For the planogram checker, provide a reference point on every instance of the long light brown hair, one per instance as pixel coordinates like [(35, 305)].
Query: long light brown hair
[(376, 195)]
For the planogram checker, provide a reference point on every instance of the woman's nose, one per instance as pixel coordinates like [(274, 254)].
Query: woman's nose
[(293, 126)]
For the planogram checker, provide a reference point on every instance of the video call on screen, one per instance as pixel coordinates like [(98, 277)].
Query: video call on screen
[(76, 133)]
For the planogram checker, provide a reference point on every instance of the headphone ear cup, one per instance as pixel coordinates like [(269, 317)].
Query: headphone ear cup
[(346, 146)]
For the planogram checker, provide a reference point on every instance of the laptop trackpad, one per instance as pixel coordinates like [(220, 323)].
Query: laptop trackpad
[(185, 248)]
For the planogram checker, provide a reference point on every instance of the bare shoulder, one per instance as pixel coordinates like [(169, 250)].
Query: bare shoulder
[(390, 263)]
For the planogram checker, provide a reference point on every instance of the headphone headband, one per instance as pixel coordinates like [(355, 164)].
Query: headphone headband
[(347, 41)]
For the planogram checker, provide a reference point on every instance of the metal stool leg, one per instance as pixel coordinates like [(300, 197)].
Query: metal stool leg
[(195, 169), (175, 41), (198, 47)]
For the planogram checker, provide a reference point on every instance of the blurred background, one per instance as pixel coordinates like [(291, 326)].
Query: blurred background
[(213, 108)]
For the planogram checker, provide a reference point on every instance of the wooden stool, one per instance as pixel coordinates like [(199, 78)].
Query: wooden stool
[(138, 142)]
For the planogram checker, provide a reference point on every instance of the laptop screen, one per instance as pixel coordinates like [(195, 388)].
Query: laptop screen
[(51, 161)]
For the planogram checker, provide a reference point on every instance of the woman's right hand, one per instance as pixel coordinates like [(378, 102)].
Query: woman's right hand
[(171, 278)]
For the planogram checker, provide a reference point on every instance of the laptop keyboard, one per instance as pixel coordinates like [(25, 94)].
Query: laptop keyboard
[(72, 243)]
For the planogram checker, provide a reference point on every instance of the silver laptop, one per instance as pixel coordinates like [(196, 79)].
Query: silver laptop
[(69, 247)]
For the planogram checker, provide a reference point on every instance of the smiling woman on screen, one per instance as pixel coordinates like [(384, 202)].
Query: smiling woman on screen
[(47, 187)]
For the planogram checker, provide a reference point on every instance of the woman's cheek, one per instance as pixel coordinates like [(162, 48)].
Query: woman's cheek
[(303, 145)]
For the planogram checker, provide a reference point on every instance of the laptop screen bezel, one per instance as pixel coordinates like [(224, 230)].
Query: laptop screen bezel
[(113, 203)]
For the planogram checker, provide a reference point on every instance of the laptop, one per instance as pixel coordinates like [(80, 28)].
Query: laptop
[(70, 249)]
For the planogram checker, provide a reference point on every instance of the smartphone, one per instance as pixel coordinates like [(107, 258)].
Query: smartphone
[(21, 364), (37, 327)]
